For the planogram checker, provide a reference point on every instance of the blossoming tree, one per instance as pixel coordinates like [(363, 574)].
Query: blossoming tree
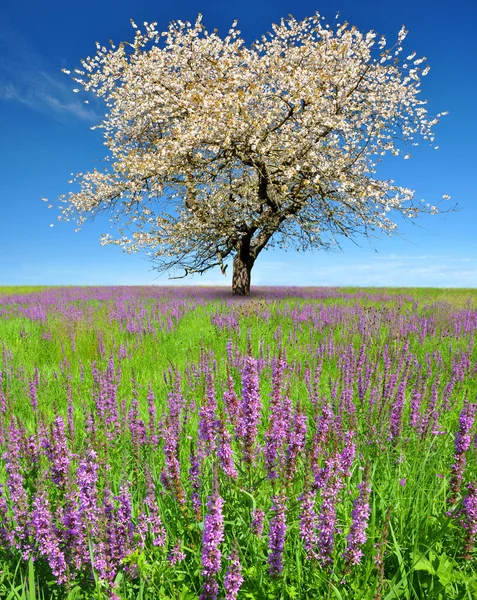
[(218, 150)]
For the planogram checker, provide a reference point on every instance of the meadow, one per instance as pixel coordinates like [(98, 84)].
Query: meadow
[(180, 443)]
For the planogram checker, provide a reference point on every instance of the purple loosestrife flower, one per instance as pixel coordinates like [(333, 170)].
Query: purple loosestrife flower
[(278, 369), (90, 425), (397, 410), (461, 444), (48, 543), (124, 526), (6, 534), (194, 478), (207, 417), (278, 420), (176, 555), (231, 401), (233, 577), (250, 408), (346, 406), (137, 426), (224, 451), (111, 555), (172, 474), (212, 538), (276, 535), (15, 484), (86, 479), (329, 481), (430, 417), (73, 535), (322, 435), (111, 381), (153, 517), (33, 395), (71, 411), (151, 408), (257, 522), (57, 451), (348, 454), (308, 524), (296, 441), (3, 399), (356, 537), (469, 519), (274, 439), (105, 396), (229, 351), (415, 415)]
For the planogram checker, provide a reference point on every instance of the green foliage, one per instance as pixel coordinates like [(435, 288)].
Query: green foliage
[(419, 532)]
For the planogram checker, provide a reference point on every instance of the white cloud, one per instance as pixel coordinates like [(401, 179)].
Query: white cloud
[(27, 77), (377, 270)]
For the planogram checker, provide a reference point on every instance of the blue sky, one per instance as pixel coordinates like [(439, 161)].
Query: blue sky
[(45, 136)]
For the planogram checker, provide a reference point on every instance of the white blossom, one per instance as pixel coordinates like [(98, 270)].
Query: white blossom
[(213, 144)]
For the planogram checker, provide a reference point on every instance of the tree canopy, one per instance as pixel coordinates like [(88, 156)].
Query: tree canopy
[(218, 149)]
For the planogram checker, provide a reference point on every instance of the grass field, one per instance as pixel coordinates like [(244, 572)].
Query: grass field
[(180, 443)]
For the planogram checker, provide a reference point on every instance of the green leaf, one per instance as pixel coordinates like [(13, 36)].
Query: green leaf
[(31, 580), (423, 564)]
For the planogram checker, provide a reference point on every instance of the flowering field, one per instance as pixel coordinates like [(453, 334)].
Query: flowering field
[(178, 443)]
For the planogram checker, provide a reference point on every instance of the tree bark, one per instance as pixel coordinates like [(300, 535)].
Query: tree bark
[(243, 263)]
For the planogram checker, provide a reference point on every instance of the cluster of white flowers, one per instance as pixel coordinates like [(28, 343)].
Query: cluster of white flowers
[(212, 142)]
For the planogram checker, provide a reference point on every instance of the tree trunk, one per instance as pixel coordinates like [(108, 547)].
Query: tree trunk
[(243, 263)]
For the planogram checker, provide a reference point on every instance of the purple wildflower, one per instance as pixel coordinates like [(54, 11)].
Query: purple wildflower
[(3, 399), (207, 417), (348, 454), (194, 478), (15, 484), (33, 395), (414, 417), (212, 537), (125, 525), (279, 410), (308, 524), (48, 543), (233, 577), (322, 435), (137, 426), (296, 441), (154, 518), (257, 522), (250, 408), (176, 555), (230, 400), (151, 405), (224, 451), (469, 519), (329, 481), (172, 476), (356, 537), (73, 536), (461, 444), (87, 478), (71, 411), (6, 535), (397, 410), (57, 451), (430, 417), (276, 535)]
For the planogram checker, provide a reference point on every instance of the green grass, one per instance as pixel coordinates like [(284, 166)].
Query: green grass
[(323, 339)]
